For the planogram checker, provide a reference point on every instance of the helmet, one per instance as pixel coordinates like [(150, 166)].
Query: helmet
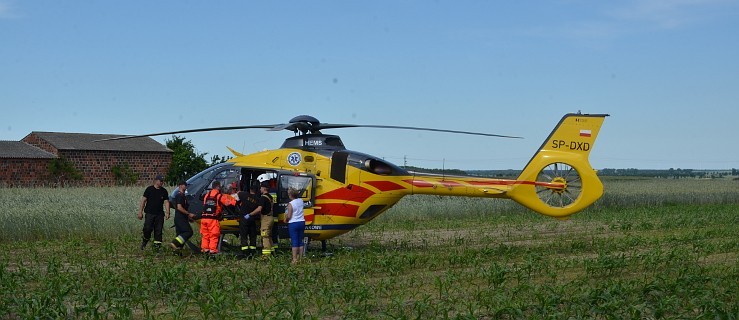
[(266, 176)]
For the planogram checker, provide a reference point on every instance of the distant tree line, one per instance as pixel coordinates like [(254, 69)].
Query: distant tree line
[(451, 172), (501, 174), (668, 173)]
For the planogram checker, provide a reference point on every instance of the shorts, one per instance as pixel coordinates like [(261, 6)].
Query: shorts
[(296, 230)]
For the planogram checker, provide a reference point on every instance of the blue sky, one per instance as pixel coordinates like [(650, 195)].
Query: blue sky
[(666, 71)]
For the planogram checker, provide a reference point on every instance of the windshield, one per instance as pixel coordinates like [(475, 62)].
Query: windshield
[(201, 181)]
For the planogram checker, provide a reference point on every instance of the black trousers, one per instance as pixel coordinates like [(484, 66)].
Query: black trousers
[(153, 222), (248, 232), (183, 228), (275, 239)]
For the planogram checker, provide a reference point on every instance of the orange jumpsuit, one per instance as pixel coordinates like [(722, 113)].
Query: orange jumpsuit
[(210, 225)]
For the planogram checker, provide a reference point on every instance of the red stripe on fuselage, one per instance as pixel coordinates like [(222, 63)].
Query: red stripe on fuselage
[(356, 194), (498, 182), (385, 185), (338, 209), (446, 183), (419, 183)]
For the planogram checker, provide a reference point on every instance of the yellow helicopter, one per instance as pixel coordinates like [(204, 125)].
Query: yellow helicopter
[(345, 189)]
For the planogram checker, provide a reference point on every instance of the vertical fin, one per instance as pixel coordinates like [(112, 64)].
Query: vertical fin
[(558, 180)]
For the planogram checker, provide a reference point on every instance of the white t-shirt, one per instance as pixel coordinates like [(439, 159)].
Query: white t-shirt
[(297, 205)]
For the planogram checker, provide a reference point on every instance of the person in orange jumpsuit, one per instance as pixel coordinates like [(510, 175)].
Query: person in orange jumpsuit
[(210, 225)]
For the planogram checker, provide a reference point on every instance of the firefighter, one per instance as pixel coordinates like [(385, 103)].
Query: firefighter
[(155, 196), (267, 219), (271, 188), (182, 218), (210, 226), (250, 207)]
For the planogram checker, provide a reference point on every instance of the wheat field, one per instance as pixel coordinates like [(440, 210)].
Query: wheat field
[(650, 248)]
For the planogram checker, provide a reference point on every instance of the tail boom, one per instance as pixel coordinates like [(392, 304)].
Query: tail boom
[(469, 186)]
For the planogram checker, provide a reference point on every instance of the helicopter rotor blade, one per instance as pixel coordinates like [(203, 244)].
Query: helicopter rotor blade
[(307, 124), (278, 127), (192, 130), (337, 126)]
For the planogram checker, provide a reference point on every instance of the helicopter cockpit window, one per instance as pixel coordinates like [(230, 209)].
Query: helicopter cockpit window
[(202, 180), (302, 183)]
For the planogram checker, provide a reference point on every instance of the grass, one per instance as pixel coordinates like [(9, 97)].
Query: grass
[(666, 253)]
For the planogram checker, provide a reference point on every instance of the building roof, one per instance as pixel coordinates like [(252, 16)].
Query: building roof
[(22, 150), (86, 141)]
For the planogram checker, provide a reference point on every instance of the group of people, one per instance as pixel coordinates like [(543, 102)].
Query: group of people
[(256, 204)]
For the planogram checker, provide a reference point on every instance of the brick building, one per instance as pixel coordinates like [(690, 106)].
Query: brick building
[(25, 163)]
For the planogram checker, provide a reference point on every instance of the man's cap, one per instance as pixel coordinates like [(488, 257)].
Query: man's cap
[(159, 177), (182, 182), (265, 184)]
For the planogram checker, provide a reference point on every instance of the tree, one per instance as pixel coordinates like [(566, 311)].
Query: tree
[(216, 159), (185, 161), (62, 170)]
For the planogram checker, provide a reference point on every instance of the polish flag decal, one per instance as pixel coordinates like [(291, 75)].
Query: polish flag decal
[(585, 133)]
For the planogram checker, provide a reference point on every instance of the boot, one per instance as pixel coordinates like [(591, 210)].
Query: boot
[(157, 247), (143, 243)]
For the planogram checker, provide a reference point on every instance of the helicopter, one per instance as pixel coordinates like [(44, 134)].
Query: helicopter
[(345, 189)]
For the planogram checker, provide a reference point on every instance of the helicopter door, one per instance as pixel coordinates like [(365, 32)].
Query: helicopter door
[(303, 182)]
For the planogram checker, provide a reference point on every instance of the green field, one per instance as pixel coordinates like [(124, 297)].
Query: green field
[(647, 249)]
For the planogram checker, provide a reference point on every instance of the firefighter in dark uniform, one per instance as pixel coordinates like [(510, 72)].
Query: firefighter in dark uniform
[(250, 207), (182, 218), (266, 222), (154, 199)]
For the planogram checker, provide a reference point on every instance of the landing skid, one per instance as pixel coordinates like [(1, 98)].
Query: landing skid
[(324, 249)]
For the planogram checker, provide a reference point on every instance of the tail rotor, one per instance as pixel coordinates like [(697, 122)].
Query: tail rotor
[(558, 185)]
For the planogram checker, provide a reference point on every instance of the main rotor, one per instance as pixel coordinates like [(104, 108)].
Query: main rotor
[(305, 125)]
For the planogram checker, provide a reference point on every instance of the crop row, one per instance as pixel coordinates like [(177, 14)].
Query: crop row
[(428, 257)]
